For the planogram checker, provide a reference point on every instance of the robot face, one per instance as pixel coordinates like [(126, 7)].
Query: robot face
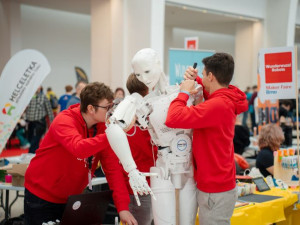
[(147, 68)]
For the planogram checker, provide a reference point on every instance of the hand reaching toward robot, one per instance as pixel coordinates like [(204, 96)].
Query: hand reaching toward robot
[(191, 73), (190, 85)]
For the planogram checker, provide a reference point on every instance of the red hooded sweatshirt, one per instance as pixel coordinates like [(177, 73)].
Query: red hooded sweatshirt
[(59, 168), (213, 123)]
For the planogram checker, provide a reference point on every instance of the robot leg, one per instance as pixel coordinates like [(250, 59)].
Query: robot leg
[(188, 203), (164, 206)]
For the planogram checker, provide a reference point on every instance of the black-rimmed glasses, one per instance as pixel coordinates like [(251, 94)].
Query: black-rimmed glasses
[(104, 107)]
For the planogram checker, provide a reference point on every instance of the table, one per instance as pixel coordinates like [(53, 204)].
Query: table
[(7, 206), (277, 211), (7, 187)]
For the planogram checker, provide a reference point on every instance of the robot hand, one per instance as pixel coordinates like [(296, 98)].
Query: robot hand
[(139, 184)]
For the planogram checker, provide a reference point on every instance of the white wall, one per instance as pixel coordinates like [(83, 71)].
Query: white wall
[(63, 37), (253, 8), (207, 41)]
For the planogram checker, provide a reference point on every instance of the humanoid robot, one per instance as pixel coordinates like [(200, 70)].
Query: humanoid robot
[(172, 184)]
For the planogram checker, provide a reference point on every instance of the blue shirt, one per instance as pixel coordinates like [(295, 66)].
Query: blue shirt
[(73, 100), (63, 101)]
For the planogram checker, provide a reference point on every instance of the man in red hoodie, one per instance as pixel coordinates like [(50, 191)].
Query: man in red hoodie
[(213, 123), (68, 156)]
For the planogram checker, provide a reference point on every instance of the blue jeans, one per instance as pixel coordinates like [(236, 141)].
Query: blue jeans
[(37, 210)]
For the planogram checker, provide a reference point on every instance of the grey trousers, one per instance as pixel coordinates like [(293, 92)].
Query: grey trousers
[(216, 208), (143, 213)]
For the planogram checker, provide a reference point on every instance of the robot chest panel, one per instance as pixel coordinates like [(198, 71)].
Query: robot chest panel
[(161, 134)]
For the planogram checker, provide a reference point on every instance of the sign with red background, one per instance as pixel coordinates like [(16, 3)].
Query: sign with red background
[(278, 67)]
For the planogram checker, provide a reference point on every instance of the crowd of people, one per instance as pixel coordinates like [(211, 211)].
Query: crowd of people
[(41, 111), (74, 143), (252, 134)]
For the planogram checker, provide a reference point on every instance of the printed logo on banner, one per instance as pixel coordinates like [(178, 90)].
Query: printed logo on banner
[(7, 109), (19, 80), (278, 67), (191, 44)]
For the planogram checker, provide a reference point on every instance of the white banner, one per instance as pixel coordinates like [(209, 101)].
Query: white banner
[(277, 73), (20, 79)]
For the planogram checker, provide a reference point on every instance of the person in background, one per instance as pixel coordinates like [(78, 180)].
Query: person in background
[(20, 133), (245, 114), (269, 140), (252, 108), (240, 141), (286, 121), (76, 97), (241, 136), (213, 123), (70, 151), (53, 100), (39, 107), (63, 100), (119, 93), (144, 155)]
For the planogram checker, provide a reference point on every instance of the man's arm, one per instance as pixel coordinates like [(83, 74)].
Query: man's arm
[(207, 114), (192, 74), (116, 181), (121, 120), (68, 135)]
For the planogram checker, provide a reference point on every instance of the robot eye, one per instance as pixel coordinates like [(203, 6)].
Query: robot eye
[(147, 71), (137, 74)]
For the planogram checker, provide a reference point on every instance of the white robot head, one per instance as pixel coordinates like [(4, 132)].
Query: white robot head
[(147, 68)]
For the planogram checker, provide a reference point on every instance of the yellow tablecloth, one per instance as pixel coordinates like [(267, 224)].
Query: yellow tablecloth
[(269, 212), (279, 211)]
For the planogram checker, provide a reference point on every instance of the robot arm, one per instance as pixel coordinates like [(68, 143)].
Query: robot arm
[(121, 119)]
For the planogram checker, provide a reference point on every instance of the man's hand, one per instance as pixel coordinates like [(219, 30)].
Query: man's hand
[(189, 86), (190, 73), (127, 218), (138, 184)]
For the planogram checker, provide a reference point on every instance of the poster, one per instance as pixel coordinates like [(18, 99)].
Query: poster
[(277, 73), (20, 78), (181, 59)]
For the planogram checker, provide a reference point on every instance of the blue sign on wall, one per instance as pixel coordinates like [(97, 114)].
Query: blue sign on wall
[(181, 59)]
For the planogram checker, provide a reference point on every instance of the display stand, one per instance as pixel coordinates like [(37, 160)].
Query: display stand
[(282, 173)]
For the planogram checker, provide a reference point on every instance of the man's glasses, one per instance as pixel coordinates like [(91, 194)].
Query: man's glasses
[(104, 107)]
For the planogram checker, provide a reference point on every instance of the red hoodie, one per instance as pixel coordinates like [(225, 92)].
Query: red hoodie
[(59, 169), (213, 123)]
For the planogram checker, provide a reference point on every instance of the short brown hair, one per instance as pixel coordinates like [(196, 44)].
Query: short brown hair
[(271, 136), (120, 89), (221, 65), (134, 85), (68, 88), (94, 92)]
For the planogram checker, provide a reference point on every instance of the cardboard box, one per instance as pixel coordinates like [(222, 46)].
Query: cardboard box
[(18, 172)]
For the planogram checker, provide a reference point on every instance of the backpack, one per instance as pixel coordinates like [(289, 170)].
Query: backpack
[(53, 101)]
